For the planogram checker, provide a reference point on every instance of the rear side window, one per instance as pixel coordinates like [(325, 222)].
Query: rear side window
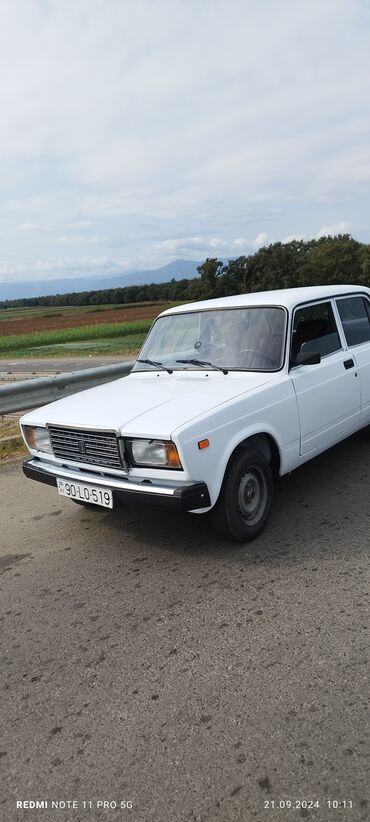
[(354, 314), (315, 330)]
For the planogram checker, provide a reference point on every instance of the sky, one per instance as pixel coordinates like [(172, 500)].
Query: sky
[(137, 132)]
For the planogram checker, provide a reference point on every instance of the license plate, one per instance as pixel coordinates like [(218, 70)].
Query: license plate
[(85, 493)]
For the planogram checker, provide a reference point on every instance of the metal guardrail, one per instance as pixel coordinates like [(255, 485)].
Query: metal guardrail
[(20, 396)]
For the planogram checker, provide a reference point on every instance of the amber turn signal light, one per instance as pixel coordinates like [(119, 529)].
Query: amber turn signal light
[(203, 444), (172, 455)]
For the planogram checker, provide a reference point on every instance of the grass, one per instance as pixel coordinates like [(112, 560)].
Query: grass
[(11, 443), (127, 346), (13, 343), (9, 426), (12, 448)]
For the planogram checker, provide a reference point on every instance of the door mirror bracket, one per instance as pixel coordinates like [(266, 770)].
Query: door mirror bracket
[(306, 358)]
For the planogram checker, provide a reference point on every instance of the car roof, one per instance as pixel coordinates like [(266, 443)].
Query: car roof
[(288, 297)]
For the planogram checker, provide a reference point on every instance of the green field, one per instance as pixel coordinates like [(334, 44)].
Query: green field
[(126, 332), (128, 346), (105, 334)]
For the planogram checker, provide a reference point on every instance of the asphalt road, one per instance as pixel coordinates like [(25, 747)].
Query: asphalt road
[(54, 364), (144, 659)]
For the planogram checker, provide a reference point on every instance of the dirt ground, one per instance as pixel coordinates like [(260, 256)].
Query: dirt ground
[(73, 319)]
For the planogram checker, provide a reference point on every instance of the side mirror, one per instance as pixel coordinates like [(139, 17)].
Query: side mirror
[(307, 358)]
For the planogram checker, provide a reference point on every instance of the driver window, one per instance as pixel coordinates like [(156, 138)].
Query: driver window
[(314, 330)]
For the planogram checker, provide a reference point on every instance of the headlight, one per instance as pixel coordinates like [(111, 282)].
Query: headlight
[(154, 453), (37, 438)]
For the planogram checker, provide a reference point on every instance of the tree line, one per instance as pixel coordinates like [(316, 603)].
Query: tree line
[(329, 260)]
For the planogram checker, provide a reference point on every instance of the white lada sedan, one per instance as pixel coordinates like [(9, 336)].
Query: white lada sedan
[(225, 395)]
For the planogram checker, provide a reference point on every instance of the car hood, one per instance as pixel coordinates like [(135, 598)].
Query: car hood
[(148, 404)]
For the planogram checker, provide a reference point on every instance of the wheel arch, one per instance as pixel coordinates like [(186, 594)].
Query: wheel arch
[(263, 442)]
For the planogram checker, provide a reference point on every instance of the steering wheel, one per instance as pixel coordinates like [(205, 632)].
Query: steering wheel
[(259, 354)]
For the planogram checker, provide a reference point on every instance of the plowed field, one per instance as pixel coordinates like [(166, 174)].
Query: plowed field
[(76, 319)]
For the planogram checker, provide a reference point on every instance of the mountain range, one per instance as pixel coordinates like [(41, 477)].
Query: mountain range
[(178, 270)]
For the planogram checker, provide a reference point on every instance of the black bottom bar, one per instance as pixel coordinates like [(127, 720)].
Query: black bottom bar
[(185, 498)]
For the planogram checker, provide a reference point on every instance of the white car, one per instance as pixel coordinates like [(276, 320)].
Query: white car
[(225, 394)]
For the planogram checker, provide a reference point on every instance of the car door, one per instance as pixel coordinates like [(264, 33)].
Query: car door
[(354, 312), (328, 392)]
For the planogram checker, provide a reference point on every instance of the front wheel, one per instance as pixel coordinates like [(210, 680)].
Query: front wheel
[(245, 500)]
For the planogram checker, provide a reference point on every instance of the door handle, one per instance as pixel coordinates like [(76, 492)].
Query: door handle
[(348, 363)]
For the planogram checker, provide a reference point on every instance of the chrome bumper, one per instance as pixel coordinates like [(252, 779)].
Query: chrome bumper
[(186, 496)]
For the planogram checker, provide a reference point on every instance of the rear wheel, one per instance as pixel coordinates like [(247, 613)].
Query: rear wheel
[(245, 500)]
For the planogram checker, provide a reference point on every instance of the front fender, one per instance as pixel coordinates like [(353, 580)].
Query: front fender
[(272, 411)]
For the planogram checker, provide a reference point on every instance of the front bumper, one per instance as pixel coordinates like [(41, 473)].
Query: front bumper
[(183, 497)]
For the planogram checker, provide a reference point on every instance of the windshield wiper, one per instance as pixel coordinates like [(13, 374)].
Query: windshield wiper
[(157, 365), (204, 362)]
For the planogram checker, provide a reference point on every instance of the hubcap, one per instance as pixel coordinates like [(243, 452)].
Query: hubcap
[(252, 495)]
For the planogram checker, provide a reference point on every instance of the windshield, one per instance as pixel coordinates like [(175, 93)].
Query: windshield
[(249, 339)]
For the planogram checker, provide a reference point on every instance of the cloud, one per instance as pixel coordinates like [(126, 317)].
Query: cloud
[(291, 237), (80, 226), (77, 239), (66, 266), (140, 128), (30, 227), (341, 227), (178, 244), (260, 240), (243, 244), (332, 230), (208, 245)]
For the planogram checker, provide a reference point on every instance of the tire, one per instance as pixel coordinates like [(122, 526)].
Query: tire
[(246, 495)]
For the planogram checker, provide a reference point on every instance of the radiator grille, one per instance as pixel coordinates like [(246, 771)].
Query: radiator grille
[(92, 447)]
